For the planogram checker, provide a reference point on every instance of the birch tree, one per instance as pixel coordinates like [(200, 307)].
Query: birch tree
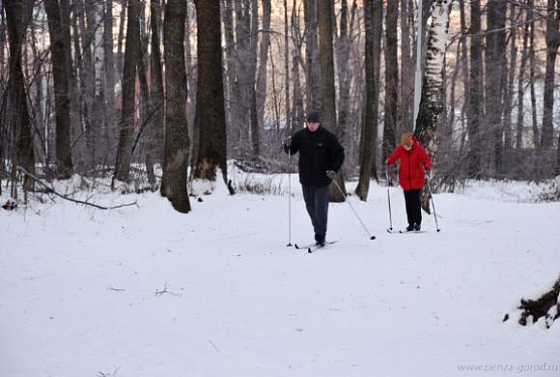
[(432, 99)]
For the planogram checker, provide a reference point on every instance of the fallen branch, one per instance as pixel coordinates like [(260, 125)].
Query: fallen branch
[(51, 189), (165, 290)]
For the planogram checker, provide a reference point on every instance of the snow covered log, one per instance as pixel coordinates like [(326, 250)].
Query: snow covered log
[(546, 306)]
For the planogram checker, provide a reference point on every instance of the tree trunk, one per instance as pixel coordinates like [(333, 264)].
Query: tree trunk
[(61, 89), (475, 92), (231, 72), (252, 88), (156, 84), (122, 18), (343, 48), (17, 19), (495, 62), (77, 149), (521, 85), (391, 79), (312, 56), (174, 182), (432, 101), (210, 112), (552, 44), (328, 104), (508, 96), (407, 76), (287, 69), (87, 33), (532, 79), (109, 79), (298, 112), (368, 142), (126, 132), (145, 117), (263, 59)]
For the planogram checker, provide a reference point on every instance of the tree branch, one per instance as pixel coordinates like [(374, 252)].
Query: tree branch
[(50, 188)]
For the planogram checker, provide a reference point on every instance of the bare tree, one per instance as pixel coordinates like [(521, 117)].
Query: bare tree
[(521, 83), (552, 44), (18, 14), (508, 95), (325, 17), (210, 113), (61, 89), (109, 77), (261, 74), (373, 11), (126, 132), (475, 92), (156, 121), (391, 78), (312, 56), (495, 78), (174, 181)]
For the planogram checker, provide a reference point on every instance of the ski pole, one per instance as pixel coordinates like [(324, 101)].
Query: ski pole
[(389, 200), (289, 198), (432, 200), (353, 210)]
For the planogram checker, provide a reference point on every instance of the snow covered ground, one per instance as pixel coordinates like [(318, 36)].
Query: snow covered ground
[(145, 291)]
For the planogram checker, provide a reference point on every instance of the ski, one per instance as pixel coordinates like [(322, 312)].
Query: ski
[(411, 231), (312, 247)]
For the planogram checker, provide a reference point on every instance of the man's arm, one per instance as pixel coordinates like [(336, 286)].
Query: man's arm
[(292, 144), (337, 154)]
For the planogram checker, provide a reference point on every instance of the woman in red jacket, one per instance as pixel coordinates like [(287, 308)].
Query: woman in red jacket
[(414, 163)]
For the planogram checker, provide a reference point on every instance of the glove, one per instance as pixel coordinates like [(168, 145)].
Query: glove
[(287, 142), (331, 174)]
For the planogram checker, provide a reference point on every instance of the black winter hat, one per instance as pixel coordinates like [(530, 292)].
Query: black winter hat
[(313, 117)]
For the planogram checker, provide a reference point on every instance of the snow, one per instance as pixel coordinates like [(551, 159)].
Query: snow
[(146, 291)]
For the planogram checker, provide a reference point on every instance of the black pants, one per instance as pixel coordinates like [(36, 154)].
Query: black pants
[(413, 212), (317, 205)]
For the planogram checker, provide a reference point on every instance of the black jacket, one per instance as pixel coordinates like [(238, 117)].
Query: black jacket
[(319, 151)]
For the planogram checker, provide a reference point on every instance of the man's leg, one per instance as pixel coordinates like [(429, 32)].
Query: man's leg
[(321, 212), (309, 198)]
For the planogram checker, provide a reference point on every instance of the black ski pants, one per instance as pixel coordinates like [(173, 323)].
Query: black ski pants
[(413, 211), (317, 205)]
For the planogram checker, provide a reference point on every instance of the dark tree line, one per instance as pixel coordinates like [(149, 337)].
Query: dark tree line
[(136, 88)]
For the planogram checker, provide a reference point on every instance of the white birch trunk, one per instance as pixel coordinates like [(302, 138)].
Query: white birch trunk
[(432, 100)]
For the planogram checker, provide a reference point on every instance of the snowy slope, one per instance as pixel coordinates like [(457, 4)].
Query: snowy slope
[(145, 291)]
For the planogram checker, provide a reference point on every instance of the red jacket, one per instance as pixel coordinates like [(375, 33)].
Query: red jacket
[(413, 163)]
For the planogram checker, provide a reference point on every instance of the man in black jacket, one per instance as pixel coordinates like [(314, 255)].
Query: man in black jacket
[(320, 157)]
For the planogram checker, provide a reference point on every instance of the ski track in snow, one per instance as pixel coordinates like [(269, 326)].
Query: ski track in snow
[(147, 291)]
